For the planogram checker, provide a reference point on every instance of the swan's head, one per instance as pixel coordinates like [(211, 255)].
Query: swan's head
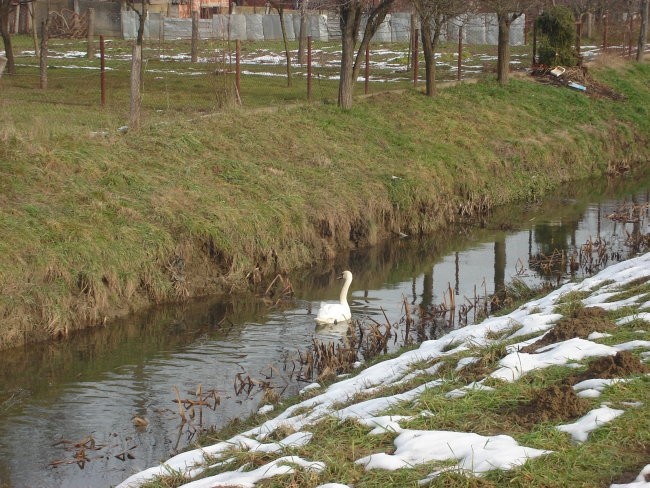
[(346, 275)]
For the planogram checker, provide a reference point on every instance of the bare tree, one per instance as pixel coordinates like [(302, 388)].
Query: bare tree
[(643, 30), (194, 47), (507, 11), (303, 32), (433, 15), (6, 7), (351, 13), (279, 6), (583, 9), (136, 65), (32, 16), (45, 35), (580, 7)]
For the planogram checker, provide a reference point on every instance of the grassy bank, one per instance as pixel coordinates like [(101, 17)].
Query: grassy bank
[(97, 223)]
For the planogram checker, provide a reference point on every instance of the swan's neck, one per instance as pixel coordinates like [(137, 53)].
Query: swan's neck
[(344, 291)]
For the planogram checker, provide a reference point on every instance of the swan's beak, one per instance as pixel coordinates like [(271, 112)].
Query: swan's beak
[(340, 277)]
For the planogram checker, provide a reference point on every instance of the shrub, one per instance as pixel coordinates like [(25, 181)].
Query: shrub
[(556, 29)]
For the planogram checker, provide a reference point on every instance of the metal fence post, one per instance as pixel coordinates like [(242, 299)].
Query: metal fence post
[(237, 68), (459, 75), (102, 79), (308, 67), (367, 81), (415, 57)]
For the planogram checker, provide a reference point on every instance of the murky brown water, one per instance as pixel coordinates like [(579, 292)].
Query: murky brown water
[(88, 390)]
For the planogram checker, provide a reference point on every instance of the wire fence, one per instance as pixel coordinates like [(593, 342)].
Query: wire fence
[(259, 73)]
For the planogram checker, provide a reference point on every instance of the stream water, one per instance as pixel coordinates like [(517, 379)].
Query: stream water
[(68, 409)]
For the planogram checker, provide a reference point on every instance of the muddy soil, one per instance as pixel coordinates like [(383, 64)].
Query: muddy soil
[(582, 323), (623, 365), (560, 403), (556, 403), (630, 476)]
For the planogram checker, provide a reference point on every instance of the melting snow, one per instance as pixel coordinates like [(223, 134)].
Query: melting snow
[(638, 316), (598, 335), (461, 392), (265, 409), (581, 428), (386, 423), (514, 365), (309, 387), (466, 362), (247, 479), (475, 453), (593, 388)]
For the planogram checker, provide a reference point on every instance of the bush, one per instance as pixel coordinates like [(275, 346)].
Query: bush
[(556, 33)]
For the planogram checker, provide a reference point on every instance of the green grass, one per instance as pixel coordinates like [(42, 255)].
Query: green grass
[(95, 221)]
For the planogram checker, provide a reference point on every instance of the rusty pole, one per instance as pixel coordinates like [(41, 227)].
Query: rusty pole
[(605, 33), (526, 29), (415, 57), (308, 67), (459, 75), (630, 29), (237, 70), (578, 41), (534, 42), (102, 82), (366, 85)]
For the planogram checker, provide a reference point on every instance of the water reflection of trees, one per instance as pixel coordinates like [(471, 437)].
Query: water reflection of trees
[(559, 254), (555, 243), (45, 369)]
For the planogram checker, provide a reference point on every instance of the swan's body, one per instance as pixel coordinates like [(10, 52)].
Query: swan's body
[(333, 313)]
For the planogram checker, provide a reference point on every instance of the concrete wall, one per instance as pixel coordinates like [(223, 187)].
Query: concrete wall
[(111, 21), (251, 27), (400, 27), (483, 29), (477, 29)]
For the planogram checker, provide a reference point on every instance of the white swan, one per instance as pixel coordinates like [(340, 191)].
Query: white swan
[(332, 313)]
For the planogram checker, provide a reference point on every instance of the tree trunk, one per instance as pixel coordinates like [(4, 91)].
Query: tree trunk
[(429, 57), (16, 19), (136, 96), (375, 18), (643, 30), (5, 9), (43, 56), (286, 44), (136, 70), (90, 38), (503, 48), (34, 33), (350, 13), (430, 40), (302, 35), (195, 35), (350, 18)]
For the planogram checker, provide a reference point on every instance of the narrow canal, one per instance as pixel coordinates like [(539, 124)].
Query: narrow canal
[(71, 411)]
